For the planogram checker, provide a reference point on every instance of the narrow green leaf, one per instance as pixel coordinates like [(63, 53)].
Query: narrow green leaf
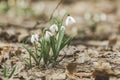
[(60, 38), (39, 59), (28, 63), (31, 54), (59, 42), (5, 71), (66, 42), (39, 52), (52, 43), (11, 74), (47, 51), (45, 48)]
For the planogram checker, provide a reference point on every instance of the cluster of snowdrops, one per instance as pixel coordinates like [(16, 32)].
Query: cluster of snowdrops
[(46, 49)]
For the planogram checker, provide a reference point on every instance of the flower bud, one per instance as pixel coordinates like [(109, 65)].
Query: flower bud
[(34, 38), (70, 20), (47, 35), (53, 28)]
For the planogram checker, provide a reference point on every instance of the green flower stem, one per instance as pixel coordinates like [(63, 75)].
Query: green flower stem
[(35, 47)]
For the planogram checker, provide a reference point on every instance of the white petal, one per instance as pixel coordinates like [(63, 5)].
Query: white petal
[(47, 35), (70, 20), (32, 39), (36, 36), (53, 28)]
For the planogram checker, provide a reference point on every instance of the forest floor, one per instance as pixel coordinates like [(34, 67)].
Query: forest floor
[(93, 53)]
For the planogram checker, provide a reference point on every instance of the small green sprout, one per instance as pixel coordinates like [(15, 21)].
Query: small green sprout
[(35, 54), (6, 73)]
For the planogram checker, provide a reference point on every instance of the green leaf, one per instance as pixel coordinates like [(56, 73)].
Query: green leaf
[(12, 72), (28, 63), (31, 54), (40, 57), (52, 43), (45, 48), (5, 71), (66, 42), (58, 22), (39, 52), (59, 42)]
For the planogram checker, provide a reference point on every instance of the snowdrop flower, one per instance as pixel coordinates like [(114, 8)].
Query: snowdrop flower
[(62, 27), (70, 20), (53, 28), (34, 38), (47, 35)]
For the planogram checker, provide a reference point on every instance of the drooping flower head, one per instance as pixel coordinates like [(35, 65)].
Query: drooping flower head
[(47, 35), (53, 28), (69, 20), (34, 38)]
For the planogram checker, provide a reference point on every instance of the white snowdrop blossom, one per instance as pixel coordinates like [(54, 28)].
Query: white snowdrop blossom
[(62, 27), (47, 35), (53, 28), (34, 38), (70, 20)]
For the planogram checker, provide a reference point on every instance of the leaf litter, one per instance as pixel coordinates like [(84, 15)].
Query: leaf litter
[(88, 57)]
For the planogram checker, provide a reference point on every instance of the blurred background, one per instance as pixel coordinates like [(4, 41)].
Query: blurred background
[(96, 19)]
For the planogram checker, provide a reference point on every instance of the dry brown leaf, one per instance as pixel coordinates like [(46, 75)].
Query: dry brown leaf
[(72, 73), (103, 71), (71, 68)]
